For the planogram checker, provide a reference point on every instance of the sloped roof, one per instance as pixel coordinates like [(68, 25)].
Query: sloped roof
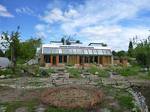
[(74, 49)]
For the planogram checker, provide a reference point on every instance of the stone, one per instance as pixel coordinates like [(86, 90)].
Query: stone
[(96, 73), (2, 76), (22, 109)]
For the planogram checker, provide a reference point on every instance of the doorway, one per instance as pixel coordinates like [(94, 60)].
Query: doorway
[(54, 60)]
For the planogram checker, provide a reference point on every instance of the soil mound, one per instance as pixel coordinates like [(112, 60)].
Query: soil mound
[(72, 97)]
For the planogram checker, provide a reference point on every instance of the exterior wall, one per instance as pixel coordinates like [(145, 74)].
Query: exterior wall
[(75, 60), (123, 62)]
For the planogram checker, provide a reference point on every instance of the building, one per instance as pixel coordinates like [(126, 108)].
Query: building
[(120, 61), (57, 54), (4, 62)]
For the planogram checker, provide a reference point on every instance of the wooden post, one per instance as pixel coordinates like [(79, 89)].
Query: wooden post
[(57, 59), (51, 57), (78, 59)]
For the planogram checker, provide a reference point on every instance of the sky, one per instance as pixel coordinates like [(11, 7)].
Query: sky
[(114, 22)]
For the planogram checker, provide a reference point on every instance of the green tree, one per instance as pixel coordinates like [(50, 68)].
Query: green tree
[(142, 52), (130, 49), (12, 42), (121, 54), (1, 53), (28, 48)]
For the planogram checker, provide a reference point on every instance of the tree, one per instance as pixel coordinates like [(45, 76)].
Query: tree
[(104, 45), (28, 48), (78, 41), (130, 49), (142, 53), (1, 53), (121, 54), (63, 40), (114, 53), (11, 41)]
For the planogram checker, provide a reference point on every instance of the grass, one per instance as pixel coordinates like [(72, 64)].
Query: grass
[(101, 72), (6, 71), (74, 72), (12, 106), (125, 101), (128, 71)]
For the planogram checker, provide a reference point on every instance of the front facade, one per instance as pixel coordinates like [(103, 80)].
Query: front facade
[(57, 54)]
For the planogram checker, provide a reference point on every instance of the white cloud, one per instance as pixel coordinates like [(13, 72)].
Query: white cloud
[(99, 20), (24, 10), (40, 27), (115, 36), (4, 12), (41, 34)]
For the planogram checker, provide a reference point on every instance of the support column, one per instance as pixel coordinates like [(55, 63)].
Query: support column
[(78, 59), (62, 59), (51, 58), (57, 60)]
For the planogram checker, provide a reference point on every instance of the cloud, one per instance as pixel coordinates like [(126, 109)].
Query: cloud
[(116, 37), (40, 27), (100, 21), (42, 30), (41, 34), (24, 10), (4, 12)]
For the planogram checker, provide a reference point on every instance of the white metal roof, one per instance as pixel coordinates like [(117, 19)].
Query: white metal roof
[(80, 49)]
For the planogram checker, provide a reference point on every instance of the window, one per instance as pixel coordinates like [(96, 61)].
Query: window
[(60, 58), (65, 59), (91, 59), (86, 59), (96, 59), (47, 59)]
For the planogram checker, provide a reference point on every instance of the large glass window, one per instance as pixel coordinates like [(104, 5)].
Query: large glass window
[(96, 59), (65, 59), (60, 58), (91, 59), (86, 59), (47, 59)]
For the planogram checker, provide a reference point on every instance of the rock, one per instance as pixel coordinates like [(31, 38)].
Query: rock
[(22, 109), (96, 73), (2, 76), (40, 108), (105, 110)]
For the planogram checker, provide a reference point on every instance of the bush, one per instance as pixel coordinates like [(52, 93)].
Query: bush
[(74, 72), (100, 72), (6, 72), (126, 101), (128, 71)]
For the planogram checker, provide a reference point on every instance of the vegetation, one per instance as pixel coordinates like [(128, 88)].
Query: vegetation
[(142, 53), (1, 53), (130, 49), (98, 71), (125, 101), (12, 106), (74, 72), (128, 71), (11, 41)]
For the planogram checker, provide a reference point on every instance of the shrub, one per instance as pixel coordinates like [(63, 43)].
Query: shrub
[(100, 72), (6, 71), (128, 71), (126, 101), (74, 72)]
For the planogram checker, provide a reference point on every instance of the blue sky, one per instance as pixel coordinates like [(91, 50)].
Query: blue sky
[(113, 22)]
